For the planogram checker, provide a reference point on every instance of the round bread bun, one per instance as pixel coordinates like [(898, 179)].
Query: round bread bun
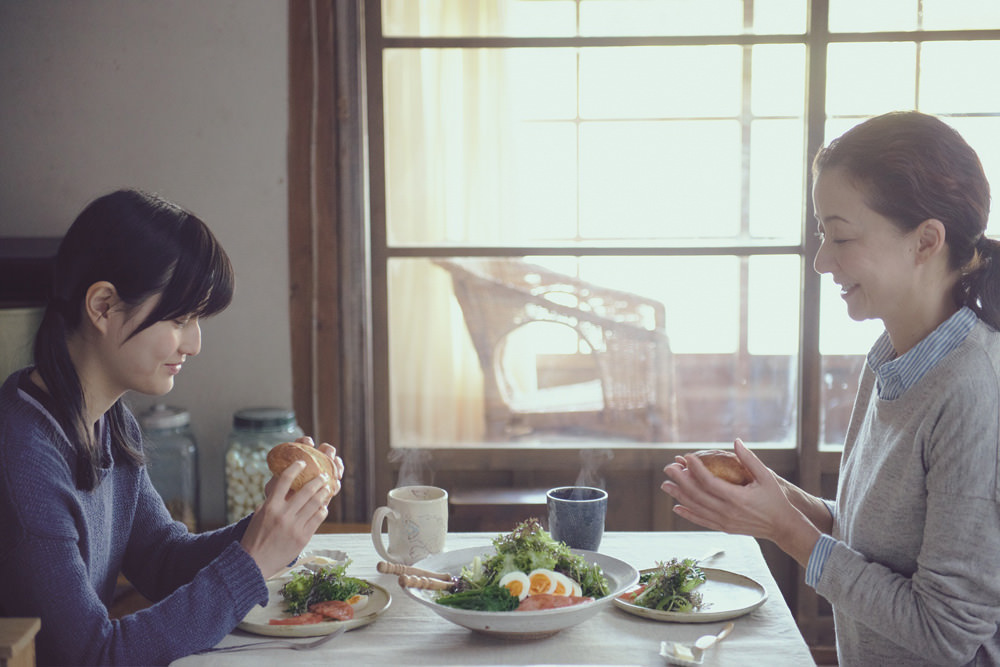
[(283, 455), (725, 466)]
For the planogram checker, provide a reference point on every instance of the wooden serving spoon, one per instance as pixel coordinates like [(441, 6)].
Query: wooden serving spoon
[(386, 567)]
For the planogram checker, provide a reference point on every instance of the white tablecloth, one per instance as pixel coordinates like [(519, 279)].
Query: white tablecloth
[(410, 634)]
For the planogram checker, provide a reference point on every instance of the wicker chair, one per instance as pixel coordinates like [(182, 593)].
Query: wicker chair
[(631, 395)]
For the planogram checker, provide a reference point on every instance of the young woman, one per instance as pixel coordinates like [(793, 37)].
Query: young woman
[(907, 554), (133, 277)]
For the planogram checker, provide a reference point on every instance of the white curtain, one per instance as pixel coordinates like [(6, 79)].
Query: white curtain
[(445, 131)]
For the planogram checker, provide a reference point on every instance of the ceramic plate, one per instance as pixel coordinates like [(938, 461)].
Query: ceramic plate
[(726, 595), (257, 621), (521, 624)]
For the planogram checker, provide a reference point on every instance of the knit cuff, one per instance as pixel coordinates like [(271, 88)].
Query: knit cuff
[(243, 577)]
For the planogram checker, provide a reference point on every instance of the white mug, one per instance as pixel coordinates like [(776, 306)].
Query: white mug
[(418, 524)]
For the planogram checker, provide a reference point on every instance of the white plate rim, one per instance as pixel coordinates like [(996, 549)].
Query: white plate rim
[(709, 615), (378, 601)]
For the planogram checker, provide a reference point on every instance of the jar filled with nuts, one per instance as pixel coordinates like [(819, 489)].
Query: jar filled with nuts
[(172, 460), (255, 432)]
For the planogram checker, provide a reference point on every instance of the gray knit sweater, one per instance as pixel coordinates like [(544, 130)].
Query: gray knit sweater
[(915, 577)]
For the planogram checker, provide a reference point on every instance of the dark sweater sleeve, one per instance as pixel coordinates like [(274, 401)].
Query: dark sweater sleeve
[(62, 549), (76, 629), (161, 554)]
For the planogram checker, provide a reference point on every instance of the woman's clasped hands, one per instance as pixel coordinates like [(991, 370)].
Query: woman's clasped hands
[(284, 523), (765, 508)]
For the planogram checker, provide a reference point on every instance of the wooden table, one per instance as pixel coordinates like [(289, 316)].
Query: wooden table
[(410, 634)]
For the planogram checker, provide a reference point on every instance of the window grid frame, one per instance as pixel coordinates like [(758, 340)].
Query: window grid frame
[(815, 40)]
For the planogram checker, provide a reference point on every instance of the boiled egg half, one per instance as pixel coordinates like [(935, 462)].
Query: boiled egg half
[(536, 582), (517, 583), (358, 602), (543, 580)]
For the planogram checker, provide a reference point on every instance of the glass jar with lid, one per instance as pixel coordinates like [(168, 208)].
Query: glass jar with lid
[(172, 460), (255, 432)]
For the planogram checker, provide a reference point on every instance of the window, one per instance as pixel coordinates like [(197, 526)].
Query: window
[(608, 173), (591, 235)]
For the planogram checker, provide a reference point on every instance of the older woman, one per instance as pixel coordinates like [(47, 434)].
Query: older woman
[(907, 554)]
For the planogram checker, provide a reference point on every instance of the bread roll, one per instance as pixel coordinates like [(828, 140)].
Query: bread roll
[(725, 465), (283, 455)]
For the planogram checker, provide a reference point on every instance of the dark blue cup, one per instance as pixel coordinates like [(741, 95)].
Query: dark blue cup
[(576, 515)]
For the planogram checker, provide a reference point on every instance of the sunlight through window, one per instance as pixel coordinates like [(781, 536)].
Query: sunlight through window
[(651, 187)]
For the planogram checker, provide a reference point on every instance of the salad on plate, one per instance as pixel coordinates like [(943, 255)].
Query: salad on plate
[(670, 586), (529, 571)]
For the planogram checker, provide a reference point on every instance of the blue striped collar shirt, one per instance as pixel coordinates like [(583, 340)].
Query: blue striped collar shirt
[(894, 375)]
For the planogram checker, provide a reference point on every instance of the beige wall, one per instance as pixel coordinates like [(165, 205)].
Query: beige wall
[(187, 98)]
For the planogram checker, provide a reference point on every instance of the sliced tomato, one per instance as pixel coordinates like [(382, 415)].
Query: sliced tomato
[(630, 596)]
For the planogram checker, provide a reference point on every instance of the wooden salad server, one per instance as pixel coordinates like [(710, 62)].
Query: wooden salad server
[(386, 567), (425, 583)]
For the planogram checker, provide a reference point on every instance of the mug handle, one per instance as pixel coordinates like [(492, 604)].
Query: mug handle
[(378, 518)]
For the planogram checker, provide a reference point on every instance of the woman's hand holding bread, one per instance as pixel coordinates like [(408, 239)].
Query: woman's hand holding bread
[(736, 493), (317, 463), (306, 479), (321, 460), (725, 466)]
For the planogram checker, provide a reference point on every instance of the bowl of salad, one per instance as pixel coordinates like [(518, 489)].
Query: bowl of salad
[(524, 585)]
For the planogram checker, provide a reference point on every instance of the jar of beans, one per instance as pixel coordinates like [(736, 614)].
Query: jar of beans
[(255, 432)]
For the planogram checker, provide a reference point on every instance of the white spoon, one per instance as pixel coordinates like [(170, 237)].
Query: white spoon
[(709, 555), (682, 654), (706, 642)]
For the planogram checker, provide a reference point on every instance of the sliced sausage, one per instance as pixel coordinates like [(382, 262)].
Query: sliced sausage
[(338, 610)]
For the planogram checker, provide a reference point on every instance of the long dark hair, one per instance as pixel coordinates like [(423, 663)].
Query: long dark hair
[(144, 246), (913, 167)]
